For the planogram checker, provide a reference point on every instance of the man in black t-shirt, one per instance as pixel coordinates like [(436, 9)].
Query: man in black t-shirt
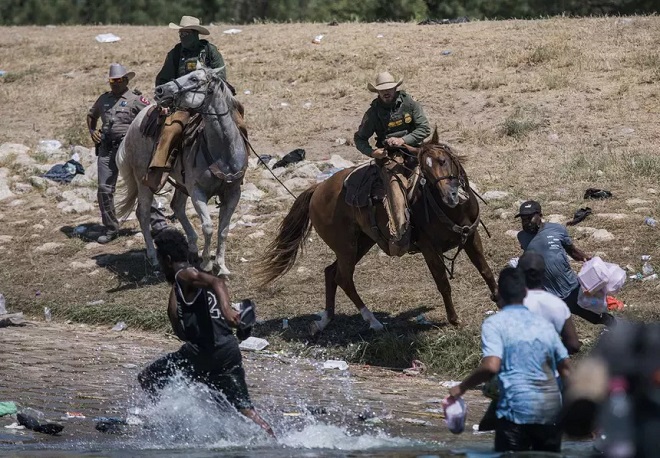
[(201, 315)]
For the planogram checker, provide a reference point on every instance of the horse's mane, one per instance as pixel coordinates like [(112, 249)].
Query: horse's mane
[(455, 157)]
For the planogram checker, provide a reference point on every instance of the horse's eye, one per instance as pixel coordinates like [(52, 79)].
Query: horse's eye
[(441, 162), (194, 79)]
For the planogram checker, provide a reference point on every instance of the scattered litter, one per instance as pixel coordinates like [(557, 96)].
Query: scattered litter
[(247, 92), (647, 268), (3, 73), (30, 422), (285, 324), (64, 173), (15, 426), (294, 156), (335, 364), (48, 316), (243, 260), (513, 262), (80, 230), (593, 193), (373, 421), (317, 39), (120, 326), (265, 158), (650, 221), (446, 384), (109, 425), (307, 105), (650, 277), (3, 309), (446, 52), (416, 421), (327, 174), (317, 410), (129, 366), (646, 257), (614, 304), (421, 319), (380, 35), (284, 104), (107, 38), (579, 216), (489, 312), (7, 408), (70, 415), (253, 344), (49, 146), (417, 368), (455, 413), (12, 319), (232, 31)]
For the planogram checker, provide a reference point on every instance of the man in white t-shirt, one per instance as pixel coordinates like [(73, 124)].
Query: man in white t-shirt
[(546, 304)]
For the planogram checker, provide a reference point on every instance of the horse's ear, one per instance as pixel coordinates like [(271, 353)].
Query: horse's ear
[(435, 138), (217, 72)]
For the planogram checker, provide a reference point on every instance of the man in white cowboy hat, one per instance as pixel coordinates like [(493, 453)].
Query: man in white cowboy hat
[(116, 108), (181, 59), (394, 116)]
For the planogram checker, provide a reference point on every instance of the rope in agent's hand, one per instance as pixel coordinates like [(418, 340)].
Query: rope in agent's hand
[(267, 168)]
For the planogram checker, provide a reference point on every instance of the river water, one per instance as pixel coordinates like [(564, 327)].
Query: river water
[(363, 411)]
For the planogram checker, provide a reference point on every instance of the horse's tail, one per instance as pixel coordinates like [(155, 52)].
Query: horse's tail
[(129, 194), (281, 253)]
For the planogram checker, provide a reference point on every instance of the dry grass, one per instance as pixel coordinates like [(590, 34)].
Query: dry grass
[(542, 109)]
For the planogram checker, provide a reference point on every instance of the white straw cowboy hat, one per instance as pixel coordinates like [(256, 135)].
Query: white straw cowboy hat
[(384, 80), (119, 71), (190, 23)]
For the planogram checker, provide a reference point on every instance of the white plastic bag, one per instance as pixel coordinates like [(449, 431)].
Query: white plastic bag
[(595, 302), (455, 414)]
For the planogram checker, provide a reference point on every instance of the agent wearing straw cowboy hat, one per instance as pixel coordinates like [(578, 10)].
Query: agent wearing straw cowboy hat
[(182, 59), (117, 108), (394, 116)]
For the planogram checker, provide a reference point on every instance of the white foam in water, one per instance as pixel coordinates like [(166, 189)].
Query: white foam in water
[(338, 438), (186, 414)]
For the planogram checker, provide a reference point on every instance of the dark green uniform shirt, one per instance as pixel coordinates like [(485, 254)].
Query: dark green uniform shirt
[(117, 113), (403, 118), (180, 61)]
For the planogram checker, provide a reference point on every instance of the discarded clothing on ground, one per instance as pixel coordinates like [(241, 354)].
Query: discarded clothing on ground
[(593, 193), (7, 408), (294, 156), (32, 423), (579, 216), (64, 173)]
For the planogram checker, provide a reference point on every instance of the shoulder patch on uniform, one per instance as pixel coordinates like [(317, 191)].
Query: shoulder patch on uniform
[(122, 103), (144, 100)]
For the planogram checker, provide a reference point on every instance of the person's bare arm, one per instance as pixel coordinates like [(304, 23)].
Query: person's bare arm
[(93, 132), (490, 365), (577, 254), (569, 337), (255, 417), (203, 280)]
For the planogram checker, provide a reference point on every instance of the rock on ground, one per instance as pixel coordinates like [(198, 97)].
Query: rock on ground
[(494, 195), (602, 235), (5, 192), (49, 247)]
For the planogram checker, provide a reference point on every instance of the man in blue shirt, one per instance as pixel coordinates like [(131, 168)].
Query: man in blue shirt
[(523, 350), (551, 240)]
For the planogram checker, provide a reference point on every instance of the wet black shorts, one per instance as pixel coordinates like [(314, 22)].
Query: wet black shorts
[(221, 369), (510, 436)]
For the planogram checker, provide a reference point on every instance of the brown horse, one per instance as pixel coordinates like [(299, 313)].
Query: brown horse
[(439, 220)]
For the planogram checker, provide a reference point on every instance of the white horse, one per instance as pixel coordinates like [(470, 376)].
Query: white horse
[(214, 165)]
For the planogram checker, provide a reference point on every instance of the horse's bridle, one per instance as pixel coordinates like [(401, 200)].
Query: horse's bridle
[(210, 87)]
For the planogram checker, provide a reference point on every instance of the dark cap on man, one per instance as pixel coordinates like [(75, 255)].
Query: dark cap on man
[(529, 208)]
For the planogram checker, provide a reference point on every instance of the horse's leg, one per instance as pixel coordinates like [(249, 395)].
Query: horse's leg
[(178, 206), (475, 252), (228, 204), (199, 200), (143, 212), (436, 265), (340, 273)]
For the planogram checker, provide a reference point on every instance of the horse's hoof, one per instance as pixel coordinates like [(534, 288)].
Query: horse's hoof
[(314, 328), (454, 321), (223, 271), (377, 326)]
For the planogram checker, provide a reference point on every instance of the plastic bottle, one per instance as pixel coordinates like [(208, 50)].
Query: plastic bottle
[(650, 221), (650, 277), (47, 314), (285, 323), (647, 268), (617, 421)]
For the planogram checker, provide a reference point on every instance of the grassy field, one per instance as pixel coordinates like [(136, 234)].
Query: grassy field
[(542, 109)]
